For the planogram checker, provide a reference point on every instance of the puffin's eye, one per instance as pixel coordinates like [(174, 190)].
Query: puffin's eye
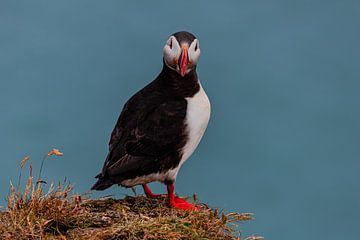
[(170, 45), (196, 46)]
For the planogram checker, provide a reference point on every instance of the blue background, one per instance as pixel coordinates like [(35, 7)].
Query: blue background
[(282, 76)]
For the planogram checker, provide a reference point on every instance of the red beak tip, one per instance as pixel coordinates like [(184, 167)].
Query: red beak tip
[(183, 62)]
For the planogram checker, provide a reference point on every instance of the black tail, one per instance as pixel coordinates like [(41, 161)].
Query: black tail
[(101, 183)]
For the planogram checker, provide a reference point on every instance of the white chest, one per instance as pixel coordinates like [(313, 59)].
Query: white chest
[(197, 119)]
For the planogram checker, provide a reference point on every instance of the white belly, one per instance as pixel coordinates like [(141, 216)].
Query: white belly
[(197, 119)]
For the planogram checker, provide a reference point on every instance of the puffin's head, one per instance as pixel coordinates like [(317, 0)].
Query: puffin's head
[(182, 52)]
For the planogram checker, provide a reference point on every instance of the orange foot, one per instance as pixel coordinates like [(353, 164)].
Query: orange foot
[(184, 205), (177, 202)]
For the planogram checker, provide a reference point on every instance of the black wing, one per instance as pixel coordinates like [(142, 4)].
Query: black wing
[(160, 131), (141, 145)]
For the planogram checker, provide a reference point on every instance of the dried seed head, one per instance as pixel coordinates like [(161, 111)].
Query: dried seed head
[(25, 159), (55, 152)]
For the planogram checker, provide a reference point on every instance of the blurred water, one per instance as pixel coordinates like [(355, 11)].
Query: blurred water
[(282, 76)]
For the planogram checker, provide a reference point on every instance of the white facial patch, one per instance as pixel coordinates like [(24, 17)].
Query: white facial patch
[(194, 52), (172, 51)]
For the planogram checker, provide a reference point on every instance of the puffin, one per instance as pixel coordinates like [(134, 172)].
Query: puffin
[(160, 126)]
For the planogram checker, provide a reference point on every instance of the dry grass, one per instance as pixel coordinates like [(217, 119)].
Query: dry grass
[(56, 214)]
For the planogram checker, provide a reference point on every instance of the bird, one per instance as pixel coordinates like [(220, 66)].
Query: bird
[(160, 126)]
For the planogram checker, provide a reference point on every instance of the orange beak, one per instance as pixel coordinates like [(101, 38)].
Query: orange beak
[(183, 62)]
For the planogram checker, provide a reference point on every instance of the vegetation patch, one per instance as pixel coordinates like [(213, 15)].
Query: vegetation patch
[(57, 214)]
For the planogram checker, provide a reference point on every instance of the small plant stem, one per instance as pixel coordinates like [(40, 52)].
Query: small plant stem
[(18, 184), (41, 167)]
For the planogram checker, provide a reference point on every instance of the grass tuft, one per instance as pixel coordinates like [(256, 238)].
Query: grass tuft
[(58, 214)]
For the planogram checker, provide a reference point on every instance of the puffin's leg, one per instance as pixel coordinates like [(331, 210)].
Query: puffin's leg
[(177, 202), (149, 194)]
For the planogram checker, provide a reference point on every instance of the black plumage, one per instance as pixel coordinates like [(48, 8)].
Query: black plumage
[(151, 129)]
